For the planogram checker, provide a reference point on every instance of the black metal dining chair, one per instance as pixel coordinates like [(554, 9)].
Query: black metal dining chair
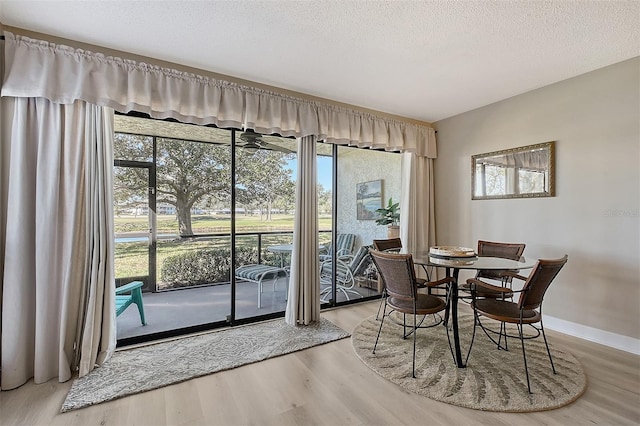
[(389, 245), (527, 311), (511, 251), (398, 274)]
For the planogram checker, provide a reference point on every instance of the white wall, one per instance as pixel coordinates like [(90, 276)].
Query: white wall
[(594, 217), (357, 166)]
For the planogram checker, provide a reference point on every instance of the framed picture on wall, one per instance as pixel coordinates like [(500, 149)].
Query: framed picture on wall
[(368, 199)]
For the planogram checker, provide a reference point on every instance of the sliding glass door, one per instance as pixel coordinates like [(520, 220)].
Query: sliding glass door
[(179, 177), (365, 181), (204, 217), (208, 196)]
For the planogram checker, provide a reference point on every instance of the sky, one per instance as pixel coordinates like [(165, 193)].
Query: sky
[(324, 170)]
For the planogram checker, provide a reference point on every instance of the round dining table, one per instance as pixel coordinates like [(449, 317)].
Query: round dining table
[(453, 266)]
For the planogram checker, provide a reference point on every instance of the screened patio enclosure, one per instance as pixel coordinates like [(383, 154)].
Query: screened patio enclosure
[(194, 204)]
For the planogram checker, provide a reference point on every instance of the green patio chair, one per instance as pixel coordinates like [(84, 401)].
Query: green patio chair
[(130, 294)]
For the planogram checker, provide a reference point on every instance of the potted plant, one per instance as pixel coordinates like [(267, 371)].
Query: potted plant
[(390, 215)]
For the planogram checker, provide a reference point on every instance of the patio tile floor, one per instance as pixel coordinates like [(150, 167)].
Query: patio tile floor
[(169, 310)]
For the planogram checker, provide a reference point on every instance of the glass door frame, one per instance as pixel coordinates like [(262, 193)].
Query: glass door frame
[(150, 282), (335, 195), (151, 279)]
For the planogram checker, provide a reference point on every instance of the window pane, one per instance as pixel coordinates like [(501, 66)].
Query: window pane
[(367, 179), (132, 147), (131, 221), (265, 209)]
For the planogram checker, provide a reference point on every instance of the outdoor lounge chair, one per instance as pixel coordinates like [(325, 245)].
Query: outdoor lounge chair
[(347, 268), (344, 247)]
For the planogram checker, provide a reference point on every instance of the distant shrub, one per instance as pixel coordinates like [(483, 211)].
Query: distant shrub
[(209, 266)]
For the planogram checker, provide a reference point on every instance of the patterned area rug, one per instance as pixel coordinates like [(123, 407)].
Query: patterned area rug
[(162, 364), (494, 380)]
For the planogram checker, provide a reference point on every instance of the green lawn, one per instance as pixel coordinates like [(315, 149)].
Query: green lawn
[(131, 258)]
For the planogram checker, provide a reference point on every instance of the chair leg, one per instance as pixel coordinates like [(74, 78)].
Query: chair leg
[(503, 332), (137, 299), (447, 298), (383, 298), (415, 325), (524, 355), (346, 292), (404, 326), (473, 337), (325, 291), (384, 312), (544, 336)]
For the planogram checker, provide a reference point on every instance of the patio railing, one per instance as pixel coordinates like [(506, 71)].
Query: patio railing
[(205, 259)]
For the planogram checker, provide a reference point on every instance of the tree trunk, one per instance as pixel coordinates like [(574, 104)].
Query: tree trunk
[(183, 212), (269, 206)]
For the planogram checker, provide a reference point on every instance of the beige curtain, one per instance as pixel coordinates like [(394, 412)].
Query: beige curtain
[(6, 117), (57, 281), (417, 220), (98, 325), (303, 303)]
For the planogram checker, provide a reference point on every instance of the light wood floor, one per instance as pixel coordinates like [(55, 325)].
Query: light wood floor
[(328, 385)]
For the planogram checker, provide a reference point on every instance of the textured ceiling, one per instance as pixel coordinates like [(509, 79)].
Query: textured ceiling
[(426, 60)]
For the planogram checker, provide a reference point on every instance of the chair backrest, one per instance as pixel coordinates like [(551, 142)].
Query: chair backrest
[(494, 249), (344, 271), (397, 272), (388, 245), (539, 281), (344, 244), (505, 250), (361, 261)]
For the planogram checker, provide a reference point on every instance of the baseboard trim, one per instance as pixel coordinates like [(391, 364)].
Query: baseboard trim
[(607, 338)]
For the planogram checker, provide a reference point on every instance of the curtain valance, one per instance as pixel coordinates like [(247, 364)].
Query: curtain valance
[(62, 74)]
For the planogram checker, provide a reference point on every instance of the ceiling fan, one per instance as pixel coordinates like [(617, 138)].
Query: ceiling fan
[(252, 142)]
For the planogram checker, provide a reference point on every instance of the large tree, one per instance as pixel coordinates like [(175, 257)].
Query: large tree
[(263, 179), (186, 172), (191, 173)]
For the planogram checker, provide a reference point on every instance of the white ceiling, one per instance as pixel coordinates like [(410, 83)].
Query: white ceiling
[(426, 60)]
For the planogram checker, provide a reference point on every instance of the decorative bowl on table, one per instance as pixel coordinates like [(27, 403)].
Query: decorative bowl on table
[(451, 252)]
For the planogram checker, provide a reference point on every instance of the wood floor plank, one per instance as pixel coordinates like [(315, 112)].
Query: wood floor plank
[(329, 385)]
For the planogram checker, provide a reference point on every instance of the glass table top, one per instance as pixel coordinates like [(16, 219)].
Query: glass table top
[(423, 258)]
